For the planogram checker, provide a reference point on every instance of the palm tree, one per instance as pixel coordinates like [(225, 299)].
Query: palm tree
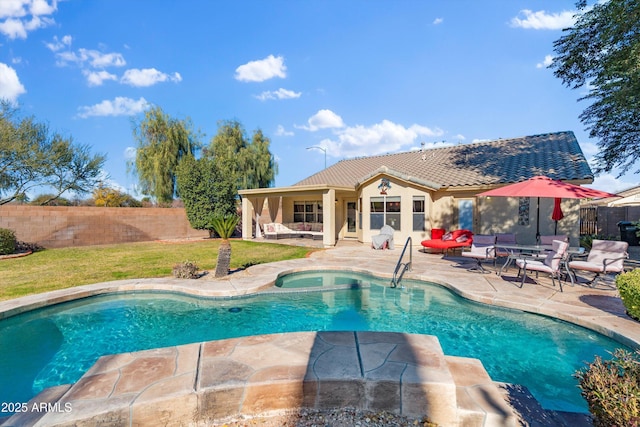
[(224, 226)]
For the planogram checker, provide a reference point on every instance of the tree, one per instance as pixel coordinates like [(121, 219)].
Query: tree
[(206, 191), (600, 52), (162, 142), (110, 197), (32, 156), (250, 163), (50, 200), (224, 225)]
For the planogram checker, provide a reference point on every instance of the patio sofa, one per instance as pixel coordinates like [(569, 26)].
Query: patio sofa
[(445, 241), (293, 230)]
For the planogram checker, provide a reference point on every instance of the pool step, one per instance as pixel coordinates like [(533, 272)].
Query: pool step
[(206, 382), (479, 400)]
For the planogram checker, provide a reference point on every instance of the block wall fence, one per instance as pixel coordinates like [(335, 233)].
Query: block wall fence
[(62, 226)]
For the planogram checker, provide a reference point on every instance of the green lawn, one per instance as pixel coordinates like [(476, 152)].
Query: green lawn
[(53, 269)]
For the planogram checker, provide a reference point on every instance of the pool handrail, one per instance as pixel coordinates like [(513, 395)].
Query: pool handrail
[(402, 266)]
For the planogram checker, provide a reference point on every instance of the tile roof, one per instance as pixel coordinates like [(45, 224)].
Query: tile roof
[(557, 155)]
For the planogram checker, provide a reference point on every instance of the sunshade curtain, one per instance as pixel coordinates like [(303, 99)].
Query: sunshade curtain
[(258, 204), (274, 206)]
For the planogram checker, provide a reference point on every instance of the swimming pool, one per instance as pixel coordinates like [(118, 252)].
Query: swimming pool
[(56, 345)]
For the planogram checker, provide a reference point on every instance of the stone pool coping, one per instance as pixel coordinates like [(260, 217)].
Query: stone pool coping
[(599, 309)]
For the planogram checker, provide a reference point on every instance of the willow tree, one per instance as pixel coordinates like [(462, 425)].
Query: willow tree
[(162, 142), (249, 162)]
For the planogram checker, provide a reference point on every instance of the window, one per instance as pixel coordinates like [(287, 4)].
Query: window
[(465, 214), (307, 212), (385, 210), (298, 212), (418, 213)]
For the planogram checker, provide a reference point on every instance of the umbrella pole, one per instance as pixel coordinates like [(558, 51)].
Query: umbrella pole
[(538, 223)]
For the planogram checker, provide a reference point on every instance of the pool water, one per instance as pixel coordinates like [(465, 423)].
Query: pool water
[(57, 344)]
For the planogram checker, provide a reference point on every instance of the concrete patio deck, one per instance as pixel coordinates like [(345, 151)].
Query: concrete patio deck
[(200, 383)]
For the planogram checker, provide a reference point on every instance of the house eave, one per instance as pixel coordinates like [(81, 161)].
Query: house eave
[(292, 189)]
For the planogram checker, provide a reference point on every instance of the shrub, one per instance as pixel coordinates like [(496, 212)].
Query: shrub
[(27, 247), (629, 287), (185, 270), (7, 241), (587, 239), (612, 389)]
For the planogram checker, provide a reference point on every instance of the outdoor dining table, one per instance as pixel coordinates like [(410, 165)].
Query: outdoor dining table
[(516, 251)]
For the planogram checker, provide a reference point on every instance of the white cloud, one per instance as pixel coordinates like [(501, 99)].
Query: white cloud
[(94, 58), (59, 44), (278, 94), (19, 17), (147, 77), (261, 70), (96, 78), (281, 131), (542, 20), (438, 21), (323, 119), (548, 59), (10, 86), (120, 106), (383, 137), (130, 153), (608, 182)]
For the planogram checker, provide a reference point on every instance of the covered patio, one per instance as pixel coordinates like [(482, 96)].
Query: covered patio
[(319, 212)]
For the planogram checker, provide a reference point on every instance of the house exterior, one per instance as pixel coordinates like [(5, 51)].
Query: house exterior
[(416, 191)]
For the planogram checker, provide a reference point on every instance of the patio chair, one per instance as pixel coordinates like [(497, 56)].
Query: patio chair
[(482, 249), (552, 264), (384, 240), (548, 241), (605, 256)]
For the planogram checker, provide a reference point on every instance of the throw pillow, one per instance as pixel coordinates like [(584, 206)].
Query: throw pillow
[(462, 238), (448, 236)]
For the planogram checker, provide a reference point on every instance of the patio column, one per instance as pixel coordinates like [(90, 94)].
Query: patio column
[(329, 218), (247, 219)]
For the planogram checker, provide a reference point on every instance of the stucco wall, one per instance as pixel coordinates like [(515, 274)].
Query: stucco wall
[(57, 226), (500, 215), (406, 192)]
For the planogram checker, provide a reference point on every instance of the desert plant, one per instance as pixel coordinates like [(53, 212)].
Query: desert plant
[(185, 270), (224, 226), (7, 241), (629, 287), (612, 389)]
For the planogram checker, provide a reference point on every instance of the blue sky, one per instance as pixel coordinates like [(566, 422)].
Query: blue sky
[(354, 77)]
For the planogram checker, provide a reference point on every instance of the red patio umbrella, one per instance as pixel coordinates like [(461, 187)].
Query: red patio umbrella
[(557, 214), (543, 186)]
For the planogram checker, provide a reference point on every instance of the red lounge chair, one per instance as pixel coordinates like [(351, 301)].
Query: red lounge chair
[(455, 239)]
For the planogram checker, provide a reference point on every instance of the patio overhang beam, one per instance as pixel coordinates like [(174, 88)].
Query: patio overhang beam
[(292, 190)]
